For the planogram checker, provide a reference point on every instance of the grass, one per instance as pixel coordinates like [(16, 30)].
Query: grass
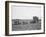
[(29, 26)]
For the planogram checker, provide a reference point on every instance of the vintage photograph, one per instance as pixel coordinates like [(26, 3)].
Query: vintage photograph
[(25, 18)]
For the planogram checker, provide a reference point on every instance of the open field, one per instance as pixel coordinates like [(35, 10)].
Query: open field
[(26, 26)]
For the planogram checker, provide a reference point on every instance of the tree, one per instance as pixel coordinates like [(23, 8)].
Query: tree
[(35, 18)]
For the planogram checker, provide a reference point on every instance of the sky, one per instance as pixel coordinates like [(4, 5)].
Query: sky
[(25, 12)]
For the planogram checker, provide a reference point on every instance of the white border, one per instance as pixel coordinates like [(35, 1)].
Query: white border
[(24, 32)]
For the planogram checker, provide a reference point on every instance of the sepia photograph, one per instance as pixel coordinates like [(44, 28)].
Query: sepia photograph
[(26, 18)]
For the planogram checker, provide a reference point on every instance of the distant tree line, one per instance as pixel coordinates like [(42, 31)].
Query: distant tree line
[(35, 20)]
